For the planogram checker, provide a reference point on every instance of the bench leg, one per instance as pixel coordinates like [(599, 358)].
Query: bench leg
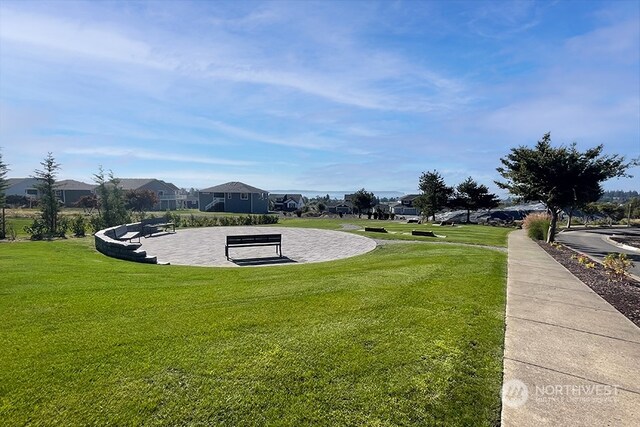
[(226, 252)]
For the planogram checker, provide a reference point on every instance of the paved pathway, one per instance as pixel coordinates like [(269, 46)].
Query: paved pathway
[(570, 358), (205, 246)]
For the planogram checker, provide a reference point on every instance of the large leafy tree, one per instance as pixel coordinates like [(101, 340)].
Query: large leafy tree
[(140, 200), (471, 196), (3, 186), (435, 194), (363, 200), (559, 177), (46, 186)]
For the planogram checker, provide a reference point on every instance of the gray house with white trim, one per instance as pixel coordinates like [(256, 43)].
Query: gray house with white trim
[(236, 197)]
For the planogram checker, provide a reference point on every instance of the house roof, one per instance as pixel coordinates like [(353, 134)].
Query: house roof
[(135, 183), (14, 181), (70, 184), (233, 187)]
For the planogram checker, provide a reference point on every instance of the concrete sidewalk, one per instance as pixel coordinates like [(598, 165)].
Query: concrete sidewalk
[(570, 358)]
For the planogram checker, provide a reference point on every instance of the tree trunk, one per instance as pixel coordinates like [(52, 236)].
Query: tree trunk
[(551, 234), (569, 216)]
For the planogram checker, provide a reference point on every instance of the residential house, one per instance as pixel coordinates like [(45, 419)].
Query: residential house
[(69, 191), (286, 202), (405, 206), (344, 207), (169, 196), (236, 197), (23, 187)]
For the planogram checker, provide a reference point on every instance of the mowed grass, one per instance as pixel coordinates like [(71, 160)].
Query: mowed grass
[(408, 334), (461, 233)]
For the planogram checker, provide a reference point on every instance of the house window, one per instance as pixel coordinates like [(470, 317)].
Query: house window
[(31, 192), (244, 196)]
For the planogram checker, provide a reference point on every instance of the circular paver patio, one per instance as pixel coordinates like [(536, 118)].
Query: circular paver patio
[(205, 246)]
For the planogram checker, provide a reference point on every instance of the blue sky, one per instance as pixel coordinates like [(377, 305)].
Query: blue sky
[(313, 95)]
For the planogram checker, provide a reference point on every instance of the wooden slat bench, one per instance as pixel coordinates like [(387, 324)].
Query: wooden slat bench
[(254, 240)]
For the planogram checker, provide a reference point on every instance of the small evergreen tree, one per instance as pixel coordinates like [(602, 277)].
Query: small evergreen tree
[(435, 194), (46, 186), (471, 196), (111, 204)]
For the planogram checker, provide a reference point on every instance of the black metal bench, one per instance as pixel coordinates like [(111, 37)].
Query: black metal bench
[(375, 229), (254, 240), (154, 225)]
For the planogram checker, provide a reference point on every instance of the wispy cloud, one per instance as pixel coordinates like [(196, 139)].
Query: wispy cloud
[(151, 155)]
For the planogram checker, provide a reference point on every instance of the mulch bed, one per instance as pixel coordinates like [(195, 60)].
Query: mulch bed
[(631, 241), (623, 295)]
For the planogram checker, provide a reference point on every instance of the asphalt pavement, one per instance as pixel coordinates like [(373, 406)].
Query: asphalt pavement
[(594, 243)]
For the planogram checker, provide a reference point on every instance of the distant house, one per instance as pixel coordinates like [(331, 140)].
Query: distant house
[(169, 196), (405, 206), (25, 187), (236, 197), (68, 191), (345, 207), (286, 202)]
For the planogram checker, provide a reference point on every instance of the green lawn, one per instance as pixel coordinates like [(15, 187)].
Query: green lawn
[(405, 335), (462, 233)]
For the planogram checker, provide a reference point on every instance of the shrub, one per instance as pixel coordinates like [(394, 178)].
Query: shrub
[(617, 266), (37, 229), (78, 226), (584, 261), (537, 225)]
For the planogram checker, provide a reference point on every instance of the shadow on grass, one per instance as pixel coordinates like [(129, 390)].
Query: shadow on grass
[(245, 262)]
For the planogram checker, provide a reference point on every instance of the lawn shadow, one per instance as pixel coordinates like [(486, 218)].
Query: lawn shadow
[(245, 262)]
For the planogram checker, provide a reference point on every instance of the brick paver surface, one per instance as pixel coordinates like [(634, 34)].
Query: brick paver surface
[(205, 246)]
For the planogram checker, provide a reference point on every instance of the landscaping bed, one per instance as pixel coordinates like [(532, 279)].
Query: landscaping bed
[(624, 295), (627, 240)]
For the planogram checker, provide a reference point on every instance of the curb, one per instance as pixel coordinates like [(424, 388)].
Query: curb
[(620, 245)]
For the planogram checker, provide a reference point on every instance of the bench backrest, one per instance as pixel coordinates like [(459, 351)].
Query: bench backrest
[(120, 231), (153, 221), (255, 239)]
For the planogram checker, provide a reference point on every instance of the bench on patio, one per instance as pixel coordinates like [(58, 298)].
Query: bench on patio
[(375, 229), (155, 225), (254, 240), (121, 233)]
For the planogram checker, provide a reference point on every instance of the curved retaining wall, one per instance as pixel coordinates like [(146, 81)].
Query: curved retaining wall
[(107, 244)]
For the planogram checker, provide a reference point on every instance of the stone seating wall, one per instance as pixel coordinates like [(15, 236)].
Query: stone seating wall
[(107, 244)]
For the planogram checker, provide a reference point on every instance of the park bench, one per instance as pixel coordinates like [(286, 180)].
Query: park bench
[(155, 225), (121, 233), (375, 229), (254, 240), (422, 233)]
